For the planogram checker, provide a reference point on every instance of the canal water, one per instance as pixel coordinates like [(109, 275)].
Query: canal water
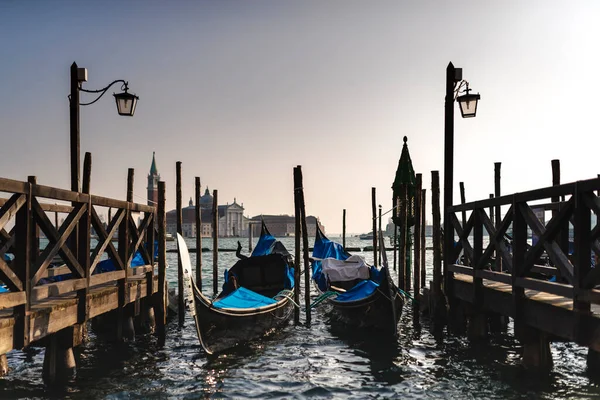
[(305, 362)]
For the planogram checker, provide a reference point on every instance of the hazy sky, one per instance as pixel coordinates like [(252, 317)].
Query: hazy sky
[(242, 91)]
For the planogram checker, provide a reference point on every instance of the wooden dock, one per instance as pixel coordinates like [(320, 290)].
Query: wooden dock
[(508, 277), (41, 310)]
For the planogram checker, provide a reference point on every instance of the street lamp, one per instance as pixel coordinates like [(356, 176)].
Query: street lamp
[(126, 103), (468, 108)]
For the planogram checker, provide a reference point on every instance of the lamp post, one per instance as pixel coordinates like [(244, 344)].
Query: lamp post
[(468, 107), (126, 103)]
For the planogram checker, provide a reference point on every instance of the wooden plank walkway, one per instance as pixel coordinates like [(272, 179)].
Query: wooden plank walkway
[(550, 313)]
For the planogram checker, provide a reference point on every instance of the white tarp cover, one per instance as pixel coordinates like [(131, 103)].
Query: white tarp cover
[(354, 267)]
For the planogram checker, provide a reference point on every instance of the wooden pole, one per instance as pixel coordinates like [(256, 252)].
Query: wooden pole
[(74, 128), (180, 294), (374, 214), (297, 233), (405, 245), (417, 241), (379, 233), (498, 217), (302, 210), (437, 245), (250, 238), (453, 75), (395, 245), (344, 228), (161, 299), (423, 243), (124, 328), (83, 254), (215, 229), (198, 236), (491, 210), (463, 201)]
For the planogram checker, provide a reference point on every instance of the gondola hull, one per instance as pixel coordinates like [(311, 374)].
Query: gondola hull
[(373, 312), (220, 329)]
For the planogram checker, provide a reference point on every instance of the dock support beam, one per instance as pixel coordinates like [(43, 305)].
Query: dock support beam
[(3, 365), (536, 349), (59, 359)]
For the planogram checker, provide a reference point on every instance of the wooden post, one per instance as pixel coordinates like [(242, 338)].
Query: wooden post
[(437, 245), (180, 294), (417, 241), (250, 237), (477, 327), (563, 235), (215, 229), (491, 210), (299, 186), (83, 254), (344, 228), (125, 311), (423, 236), (379, 233), (198, 236), (161, 296), (395, 245), (22, 262), (463, 201), (582, 258), (374, 214), (498, 216), (297, 238), (453, 75), (74, 128)]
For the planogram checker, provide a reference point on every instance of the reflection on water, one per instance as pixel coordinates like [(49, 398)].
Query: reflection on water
[(315, 361)]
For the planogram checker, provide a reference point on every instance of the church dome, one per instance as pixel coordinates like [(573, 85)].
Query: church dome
[(206, 199)]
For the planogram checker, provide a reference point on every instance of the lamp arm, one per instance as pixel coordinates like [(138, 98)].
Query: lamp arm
[(458, 86), (103, 91)]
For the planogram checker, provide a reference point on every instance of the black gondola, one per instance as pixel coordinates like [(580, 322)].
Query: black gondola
[(256, 296), (357, 295)]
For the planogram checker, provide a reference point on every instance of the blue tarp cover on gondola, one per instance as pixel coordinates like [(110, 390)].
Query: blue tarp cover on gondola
[(264, 246), (360, 291), (243, 298)]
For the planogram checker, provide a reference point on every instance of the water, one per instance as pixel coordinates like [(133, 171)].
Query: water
[(300, 361)]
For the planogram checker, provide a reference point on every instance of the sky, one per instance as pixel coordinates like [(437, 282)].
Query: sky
[(242, 91)]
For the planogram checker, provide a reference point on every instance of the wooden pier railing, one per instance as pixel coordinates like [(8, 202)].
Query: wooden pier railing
[(29, 311), (511, 264)]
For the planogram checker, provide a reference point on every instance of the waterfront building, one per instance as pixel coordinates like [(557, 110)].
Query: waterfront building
[(284, 225)]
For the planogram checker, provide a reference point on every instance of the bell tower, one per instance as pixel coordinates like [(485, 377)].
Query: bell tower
[(153, 178)]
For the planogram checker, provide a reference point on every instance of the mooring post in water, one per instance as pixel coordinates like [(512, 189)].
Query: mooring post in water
[(423, 231), (180, 294), (215, 231), (297, 254), (344, 228), (198, 211), (374, 215), (161, 297), (302, 211), (395, 244), (417, 235), (439, 311), (250, 237), (379, 232)]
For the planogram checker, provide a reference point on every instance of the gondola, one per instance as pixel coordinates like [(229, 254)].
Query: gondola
[(256, 297), (356, 295)]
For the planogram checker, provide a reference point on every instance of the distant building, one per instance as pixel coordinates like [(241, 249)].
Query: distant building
[(284, 225), (232, 222)]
